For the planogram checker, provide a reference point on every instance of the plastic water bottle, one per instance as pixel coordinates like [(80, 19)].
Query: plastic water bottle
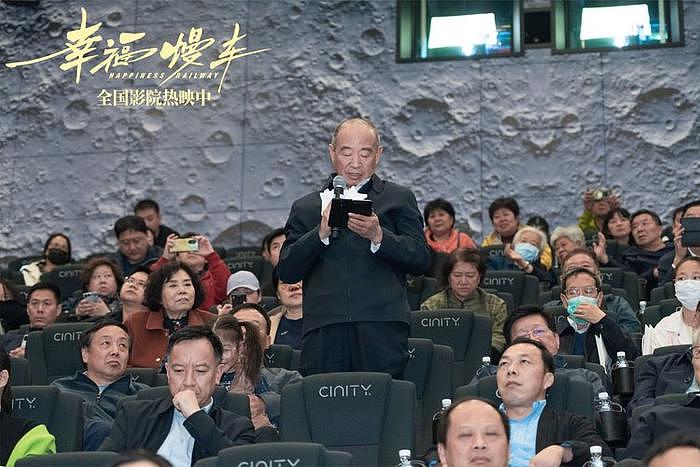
[(642, 307), (406, 461), (621, 360), (484, 369), (596, 457), (622, 375), (445, 403), (604, 402), (611, 422)]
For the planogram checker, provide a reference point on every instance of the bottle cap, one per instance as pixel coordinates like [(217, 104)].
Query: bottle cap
[(486, 359), (596, 450), (405, 453), (446, 403), (603, 396), (621, 353)]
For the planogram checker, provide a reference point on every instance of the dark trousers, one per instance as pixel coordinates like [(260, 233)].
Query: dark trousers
[(357, 346)]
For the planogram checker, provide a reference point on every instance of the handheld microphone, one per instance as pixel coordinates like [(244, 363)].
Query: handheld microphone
[(339, 185)]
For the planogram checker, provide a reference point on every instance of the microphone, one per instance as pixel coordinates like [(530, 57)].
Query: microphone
[(339, 185)]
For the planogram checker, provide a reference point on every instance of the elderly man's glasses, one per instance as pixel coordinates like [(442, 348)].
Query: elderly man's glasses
[(589, 291), (534, 333)]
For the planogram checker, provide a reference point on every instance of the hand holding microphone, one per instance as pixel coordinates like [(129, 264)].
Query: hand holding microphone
[(339, 185)]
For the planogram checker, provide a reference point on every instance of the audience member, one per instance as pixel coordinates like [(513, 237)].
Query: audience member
[(679, 327), (539, 434), (564, 240), (677, 449), (131, 295), (661, 420), (617, 226), (287, 318), (173, 295), (539, 223), (241, 287), (19, 437), (670, 260), (463, 272), (588, 330), (149, 211), (104, 349), (13, 313), (643, 257), (355, 284), (271, 247), (440, 232), (134, 250), (536, 324), (618, 308), (505, 217), (677, 372), (668, 233), (243, 365), (205, 261), (189, 424), (596, 205), (101, 280), (43, 307), (524, 254), (473, 432), (56, 252)]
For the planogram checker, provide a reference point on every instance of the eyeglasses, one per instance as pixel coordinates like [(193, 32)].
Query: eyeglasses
[(137, 283), (588, 291), (535, 333)]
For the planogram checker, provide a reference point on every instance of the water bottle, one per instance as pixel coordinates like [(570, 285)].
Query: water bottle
[(406, 461), (445, 403), (611, 421), (485, 368), (642, 307), (596, 457), (622, 376)]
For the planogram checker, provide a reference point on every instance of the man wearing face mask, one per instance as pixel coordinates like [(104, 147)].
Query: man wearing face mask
[(587, 329)]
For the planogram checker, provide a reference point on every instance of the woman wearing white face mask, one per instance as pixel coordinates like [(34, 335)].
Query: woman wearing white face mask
[(678, 328), (524, 254)]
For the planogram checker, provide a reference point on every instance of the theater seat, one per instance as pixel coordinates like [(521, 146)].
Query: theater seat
[(575, 397), (663, 292), (54, 352), (61, 412), (366, 414), (629, 281), (429, 369), (279, 356), (19, 372), (655, 313), (66, 277), (70, 459), (293, 454), (148, 376), (467, 334), (419, 289), (233, 402), (525, 288)]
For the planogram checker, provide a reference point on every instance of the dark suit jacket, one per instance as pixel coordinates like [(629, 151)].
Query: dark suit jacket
[(144, 424), (558, 426), (344, 281), (614, 338), (667, 374)]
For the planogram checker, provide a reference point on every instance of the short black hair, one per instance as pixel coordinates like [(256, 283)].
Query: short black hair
[(687, 259), (540, 223), (674, 439), (54, 235), (547, 358), (687, 206), (153, 295), (504, 203), (125, 223), (523, 312), (146, 204), (466, 255), (45, 286), (438, 203), (89, 333), (444, 425), (576, 271), (256, 307), (267, 240), (191, 333), (608, 217), (651, 213)]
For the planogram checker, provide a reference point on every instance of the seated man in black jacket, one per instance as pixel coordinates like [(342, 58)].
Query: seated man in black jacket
[(587, 329), (667, 374), (189, 425), (539, 435), (104, 348)]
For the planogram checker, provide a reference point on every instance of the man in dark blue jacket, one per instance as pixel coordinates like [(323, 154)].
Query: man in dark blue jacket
[(356, 315)]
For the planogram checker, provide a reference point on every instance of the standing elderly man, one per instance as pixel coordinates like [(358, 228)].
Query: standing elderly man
[(356, 313)]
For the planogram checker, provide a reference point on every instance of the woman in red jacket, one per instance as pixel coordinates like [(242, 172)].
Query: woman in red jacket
[(173, 295)]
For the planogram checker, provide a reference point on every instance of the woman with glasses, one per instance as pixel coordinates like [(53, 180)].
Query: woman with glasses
[(678, 328), (131, 294), (462, 273), (592, 331)]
